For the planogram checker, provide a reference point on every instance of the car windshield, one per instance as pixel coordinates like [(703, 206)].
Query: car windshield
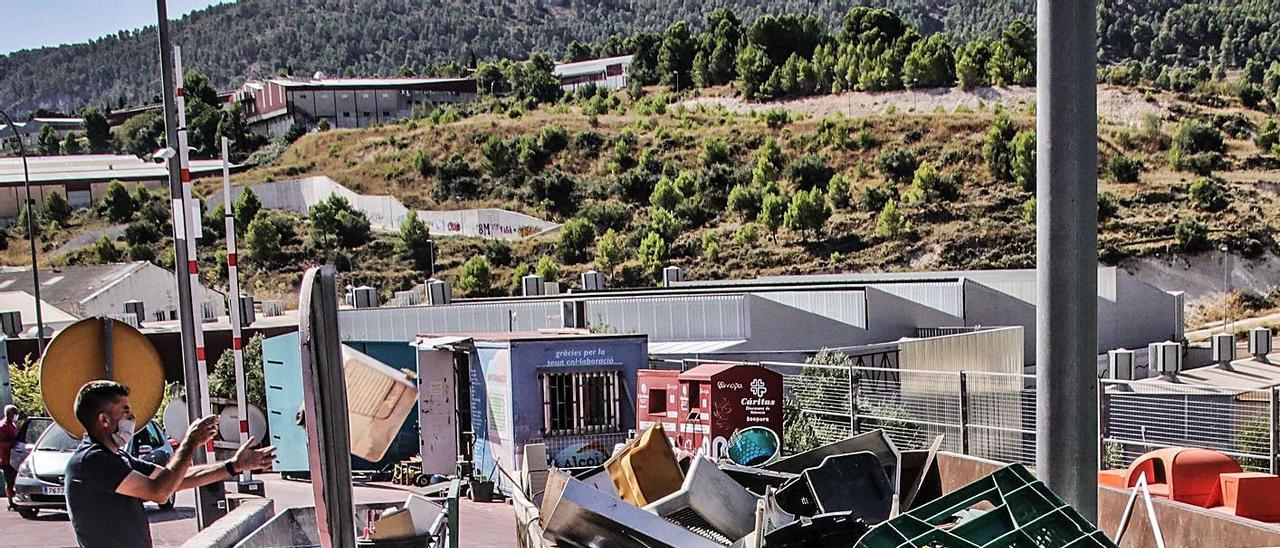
[(57, 439)]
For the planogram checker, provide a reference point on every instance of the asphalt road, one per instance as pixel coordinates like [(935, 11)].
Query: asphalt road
[(482, 525)]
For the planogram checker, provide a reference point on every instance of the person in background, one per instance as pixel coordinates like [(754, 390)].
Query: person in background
[(106, 486), (8, 437)]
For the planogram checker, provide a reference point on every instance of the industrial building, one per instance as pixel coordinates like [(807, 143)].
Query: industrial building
[(83, 178), (27, 131), (608, 73), (272, 105), (788, 318)]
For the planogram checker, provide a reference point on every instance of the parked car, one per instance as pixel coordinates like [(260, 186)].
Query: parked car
[(40, 486)]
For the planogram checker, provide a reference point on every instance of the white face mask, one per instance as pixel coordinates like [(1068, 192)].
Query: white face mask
[(124, 433)]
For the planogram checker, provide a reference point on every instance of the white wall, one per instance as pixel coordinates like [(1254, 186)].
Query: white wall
[(386, 213), (154, 286)]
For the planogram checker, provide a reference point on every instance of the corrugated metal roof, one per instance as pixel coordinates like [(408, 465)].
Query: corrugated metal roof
[(363, 82), (93, 167), (848, 307), (679, 348), (690, 318), (404, 324), (25, 304), (590, 66)]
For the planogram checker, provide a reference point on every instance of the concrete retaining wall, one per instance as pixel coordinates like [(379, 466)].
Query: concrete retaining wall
[(386, 213)]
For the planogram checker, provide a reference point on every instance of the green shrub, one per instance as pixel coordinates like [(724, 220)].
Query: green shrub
[(576, 237), (746, 236), (744, 200), (898, 164), (809, 171), (1024, 160), (873, 198), (890, 222), (141, 233), (1208, 195), (1029, 211), (1124, 169), (476, 276), (1192, 235), (838, 191)]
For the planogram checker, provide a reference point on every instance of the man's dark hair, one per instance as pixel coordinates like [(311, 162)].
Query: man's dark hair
[(94, 397)]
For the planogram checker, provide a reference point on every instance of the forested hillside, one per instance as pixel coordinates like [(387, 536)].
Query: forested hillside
[(382, 37)]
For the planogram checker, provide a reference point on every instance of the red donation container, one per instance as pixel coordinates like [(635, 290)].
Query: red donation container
[(657, 399), (720, 400)]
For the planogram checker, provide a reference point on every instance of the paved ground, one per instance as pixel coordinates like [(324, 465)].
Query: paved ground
[(483, 525)]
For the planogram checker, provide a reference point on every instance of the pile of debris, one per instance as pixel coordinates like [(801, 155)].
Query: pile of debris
[(861, 491)]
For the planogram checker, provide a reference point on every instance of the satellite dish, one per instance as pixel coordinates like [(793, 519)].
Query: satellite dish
[(78, 354), (229, 423)]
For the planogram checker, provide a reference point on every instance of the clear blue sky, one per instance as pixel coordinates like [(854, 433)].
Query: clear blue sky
[(36, 23)]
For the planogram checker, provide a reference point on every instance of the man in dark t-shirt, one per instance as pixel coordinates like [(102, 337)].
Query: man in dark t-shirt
[(106, 486)]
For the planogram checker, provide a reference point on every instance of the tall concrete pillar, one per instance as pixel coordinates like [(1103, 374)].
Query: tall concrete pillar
[(1067, 251)]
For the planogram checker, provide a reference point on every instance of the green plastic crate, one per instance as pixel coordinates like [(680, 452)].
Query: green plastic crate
[(1023, 513)]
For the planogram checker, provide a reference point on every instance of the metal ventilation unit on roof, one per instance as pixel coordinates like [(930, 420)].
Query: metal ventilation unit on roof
[(1165, 358), (1120, 365), (1260, 342), (208, 312), (160, 315), (364, 297), (1223, 349), (551, 288), (247, 314), (272, 308), (11, 323), (138, 309), (439, 293), (532, 286), (592, 281), (671, 275), (406, 298), (574, 313)]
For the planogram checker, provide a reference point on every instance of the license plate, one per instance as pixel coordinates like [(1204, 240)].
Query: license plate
[(55, 490)]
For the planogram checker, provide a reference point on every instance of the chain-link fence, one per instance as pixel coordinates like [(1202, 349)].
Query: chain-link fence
[(1138, 417), (993, 415), (983, 414)]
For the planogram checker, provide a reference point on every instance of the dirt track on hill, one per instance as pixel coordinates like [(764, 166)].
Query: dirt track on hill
[(1115, 106)]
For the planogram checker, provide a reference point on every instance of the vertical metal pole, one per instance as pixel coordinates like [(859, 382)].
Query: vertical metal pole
[(1067, 250), (1102, 425), (31, 235), (233, 283), (853, 402), (964, 413), (1271, 431), (210, 503)]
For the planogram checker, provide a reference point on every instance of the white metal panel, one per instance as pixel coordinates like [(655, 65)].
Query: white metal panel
[(945, 296), (848, 306), (686, 318), (406, 323)]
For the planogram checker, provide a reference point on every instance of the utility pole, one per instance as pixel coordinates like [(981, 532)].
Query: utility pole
[(210, 499), (1067, 251), (31, 234)]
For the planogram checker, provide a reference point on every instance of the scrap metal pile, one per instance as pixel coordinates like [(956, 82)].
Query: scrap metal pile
[(861, 491)]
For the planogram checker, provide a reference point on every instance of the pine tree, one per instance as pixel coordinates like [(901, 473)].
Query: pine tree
[(414, 243)]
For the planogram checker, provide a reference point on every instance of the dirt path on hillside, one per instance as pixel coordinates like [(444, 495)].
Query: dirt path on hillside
[(1114, 105)]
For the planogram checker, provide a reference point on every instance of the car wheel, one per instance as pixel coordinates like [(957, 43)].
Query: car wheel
[(168, 504), (28, 513)]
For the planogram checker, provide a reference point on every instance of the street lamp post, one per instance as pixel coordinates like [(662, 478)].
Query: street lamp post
[(31, 234)]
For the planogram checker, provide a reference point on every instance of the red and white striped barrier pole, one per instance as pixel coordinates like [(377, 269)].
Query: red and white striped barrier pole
[(183, 207), (233, 280)]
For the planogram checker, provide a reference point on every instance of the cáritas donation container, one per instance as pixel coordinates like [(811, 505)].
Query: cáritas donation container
[(728, 410)]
